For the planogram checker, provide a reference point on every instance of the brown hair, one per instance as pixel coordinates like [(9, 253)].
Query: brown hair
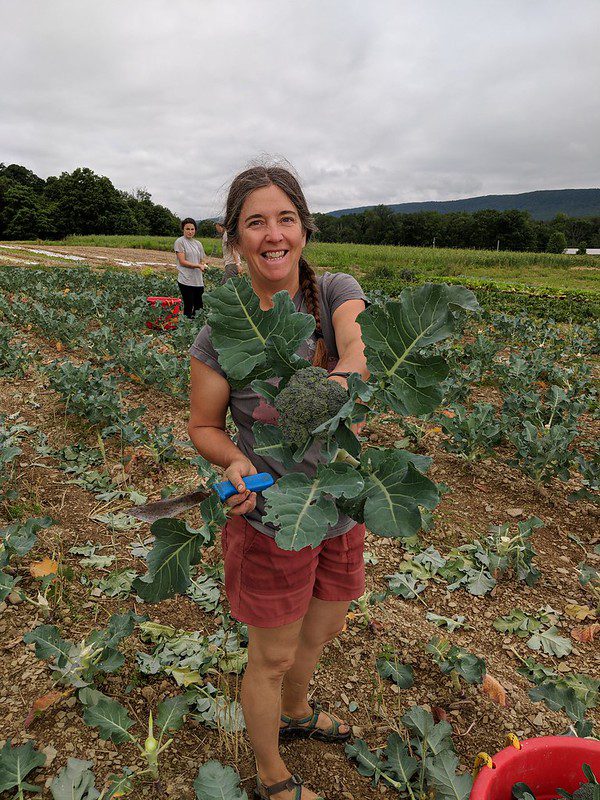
[(257, 178)]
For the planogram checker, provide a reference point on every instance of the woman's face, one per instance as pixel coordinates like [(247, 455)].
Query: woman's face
[(189, 230), (271, 236)]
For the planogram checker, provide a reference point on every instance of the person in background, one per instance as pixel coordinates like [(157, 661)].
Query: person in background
[(191, 263), (293, 602), (231, 258)]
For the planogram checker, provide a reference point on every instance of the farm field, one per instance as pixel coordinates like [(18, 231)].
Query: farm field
[(528, 269), (501, 580)]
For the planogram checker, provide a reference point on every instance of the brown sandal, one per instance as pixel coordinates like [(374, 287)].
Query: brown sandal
[(294, 782), (307, 727)]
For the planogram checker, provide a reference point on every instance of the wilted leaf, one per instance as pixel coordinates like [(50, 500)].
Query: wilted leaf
[(40, 569), (40, 705), (494, 690), (579, 612), (586, 633)]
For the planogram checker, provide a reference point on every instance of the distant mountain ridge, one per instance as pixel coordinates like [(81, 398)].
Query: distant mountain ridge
[(544, 204)]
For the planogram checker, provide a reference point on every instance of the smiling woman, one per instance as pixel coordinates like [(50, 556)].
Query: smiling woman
[(293, 602)]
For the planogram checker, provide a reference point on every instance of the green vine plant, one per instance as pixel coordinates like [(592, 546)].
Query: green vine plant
[(382, 487)]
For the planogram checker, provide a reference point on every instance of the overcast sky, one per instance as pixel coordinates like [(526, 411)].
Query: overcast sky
[(373, 102)]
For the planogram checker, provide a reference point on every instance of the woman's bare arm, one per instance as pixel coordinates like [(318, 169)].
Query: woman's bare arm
[(209, 399)]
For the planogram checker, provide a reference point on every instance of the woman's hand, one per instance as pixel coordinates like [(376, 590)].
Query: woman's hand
[(244, 501)]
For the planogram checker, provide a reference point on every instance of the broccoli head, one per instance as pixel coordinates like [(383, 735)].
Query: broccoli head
[(307, 401)]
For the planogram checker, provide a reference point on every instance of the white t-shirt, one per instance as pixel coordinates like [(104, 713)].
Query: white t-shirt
[(230, 256), (194, 253)]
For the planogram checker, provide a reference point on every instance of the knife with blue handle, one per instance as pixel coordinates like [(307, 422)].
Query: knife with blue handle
[(171, 507), (254, 483)]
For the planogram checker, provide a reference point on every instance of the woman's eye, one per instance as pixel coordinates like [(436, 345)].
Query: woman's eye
[(255, 222), (287, 219)]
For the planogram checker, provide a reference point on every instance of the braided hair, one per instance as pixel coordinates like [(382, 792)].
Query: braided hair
[(257, 178)]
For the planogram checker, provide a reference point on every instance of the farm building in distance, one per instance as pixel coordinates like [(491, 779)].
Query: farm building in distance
[(590, 251)]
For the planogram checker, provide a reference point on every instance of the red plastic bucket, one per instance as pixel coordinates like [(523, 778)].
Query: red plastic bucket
[(545, 764), (169, 321)]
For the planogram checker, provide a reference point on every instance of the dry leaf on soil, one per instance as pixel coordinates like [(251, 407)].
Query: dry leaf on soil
[(579, 612), (586, 633), (494, 690), (40, 569), (41, 704)]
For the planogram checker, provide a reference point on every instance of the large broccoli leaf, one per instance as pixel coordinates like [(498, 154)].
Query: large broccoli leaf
[(393, 490), (241, 331), (176, 547), (395, 334), (302, 507)]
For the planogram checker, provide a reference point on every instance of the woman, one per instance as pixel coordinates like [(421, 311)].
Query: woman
[(232, 263), (293, 602), (191, 263)]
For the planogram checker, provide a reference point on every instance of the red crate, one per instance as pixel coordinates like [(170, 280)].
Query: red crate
[(545, 764), (169, 321)]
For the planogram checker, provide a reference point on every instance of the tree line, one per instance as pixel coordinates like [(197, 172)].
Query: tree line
[(481, 230), (79, 202), (82, 202)]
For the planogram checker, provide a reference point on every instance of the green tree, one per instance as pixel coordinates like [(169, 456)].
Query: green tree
[(557, 242)]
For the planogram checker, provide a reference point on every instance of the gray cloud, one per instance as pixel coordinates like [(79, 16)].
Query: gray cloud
[(382, 102)]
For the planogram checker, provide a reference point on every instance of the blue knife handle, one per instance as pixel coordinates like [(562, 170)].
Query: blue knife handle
[(255, 483)]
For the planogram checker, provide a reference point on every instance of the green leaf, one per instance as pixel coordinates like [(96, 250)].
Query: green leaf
[(240, 329), (403, 765), (111, 719), (7, 584), (368, 763), (520, 791), (401, 674), (302, 508), (176, 547), (393, 490), (216, 782), (48, 643), (431, 738), (75, 782), (405, 586), (119, 785), (442, 773), (213, 513), (269, 443), (16, 763), (395, 332), (21, 537), (171, 712), (445, 622), (550, 642)]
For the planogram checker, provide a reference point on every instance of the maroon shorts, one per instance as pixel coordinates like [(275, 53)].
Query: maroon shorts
[(268, 587)]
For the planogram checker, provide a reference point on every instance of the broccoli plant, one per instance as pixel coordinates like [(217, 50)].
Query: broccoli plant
[(308, 401), (588, 790), (456, 661), (473, 435), (384, 488), (420, 763)]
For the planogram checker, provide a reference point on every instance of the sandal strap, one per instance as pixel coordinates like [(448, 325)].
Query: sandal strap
[(291, 783)]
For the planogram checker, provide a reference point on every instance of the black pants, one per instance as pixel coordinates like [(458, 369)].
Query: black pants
[(192, 298)]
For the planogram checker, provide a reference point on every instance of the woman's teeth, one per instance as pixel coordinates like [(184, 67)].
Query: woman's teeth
[(274, 254)]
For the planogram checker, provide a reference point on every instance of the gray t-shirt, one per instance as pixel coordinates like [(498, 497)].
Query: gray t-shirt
[(246, 405), (194, 253)]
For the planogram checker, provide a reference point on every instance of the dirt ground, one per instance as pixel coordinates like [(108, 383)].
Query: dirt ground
[(488, 492)]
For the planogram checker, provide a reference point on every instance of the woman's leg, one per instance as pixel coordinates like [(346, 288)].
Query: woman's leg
[(271, 653), (187, 296), (323, 621), (198, 292)]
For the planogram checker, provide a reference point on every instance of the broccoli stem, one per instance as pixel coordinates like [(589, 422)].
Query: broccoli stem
[(342, 456)]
